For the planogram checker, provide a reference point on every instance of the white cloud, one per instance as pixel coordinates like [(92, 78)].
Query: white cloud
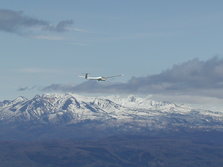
[(77, 29)]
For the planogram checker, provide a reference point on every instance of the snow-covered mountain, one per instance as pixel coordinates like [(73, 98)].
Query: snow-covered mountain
[(115, 111)]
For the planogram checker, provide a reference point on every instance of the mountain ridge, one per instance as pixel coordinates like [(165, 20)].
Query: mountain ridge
[(72, 108)]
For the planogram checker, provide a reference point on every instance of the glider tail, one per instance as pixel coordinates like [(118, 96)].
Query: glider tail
[(86, 75)]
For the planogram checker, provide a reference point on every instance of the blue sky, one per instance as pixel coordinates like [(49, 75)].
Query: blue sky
[(134, 38)]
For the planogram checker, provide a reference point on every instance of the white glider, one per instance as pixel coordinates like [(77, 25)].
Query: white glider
[(100, 78)]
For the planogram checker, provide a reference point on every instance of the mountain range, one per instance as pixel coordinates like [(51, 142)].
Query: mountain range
[(110, 111), (56, 130)]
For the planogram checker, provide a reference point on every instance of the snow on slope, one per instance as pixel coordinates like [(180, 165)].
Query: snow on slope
[(72, 108)]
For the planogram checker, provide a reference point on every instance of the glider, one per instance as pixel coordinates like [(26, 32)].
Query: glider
[(99, 78)]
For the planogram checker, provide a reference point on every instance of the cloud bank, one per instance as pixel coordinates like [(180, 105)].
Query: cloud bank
[(194, 77), (16, 22)]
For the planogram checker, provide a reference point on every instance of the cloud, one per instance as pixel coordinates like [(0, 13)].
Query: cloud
[(78, 29), (194, 74), (26, 88), (60, 27), (23, 89), (16, 22), (194, 77)]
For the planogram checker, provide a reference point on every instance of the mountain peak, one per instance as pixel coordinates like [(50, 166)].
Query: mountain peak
[(20, 99)]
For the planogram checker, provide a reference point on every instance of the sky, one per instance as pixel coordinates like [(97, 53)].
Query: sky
[(46, 45)]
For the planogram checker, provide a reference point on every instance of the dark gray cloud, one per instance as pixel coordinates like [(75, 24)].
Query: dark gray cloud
[(194, 77), (194, 74), (60, 27), (26, 88), (16, 22), (23, 89)]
